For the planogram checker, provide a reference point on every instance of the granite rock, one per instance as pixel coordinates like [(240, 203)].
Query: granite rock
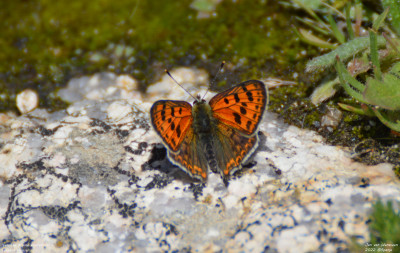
[(95, 178)]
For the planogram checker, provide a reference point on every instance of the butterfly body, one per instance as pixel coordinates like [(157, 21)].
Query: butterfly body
[(205, 125), (219, 135)]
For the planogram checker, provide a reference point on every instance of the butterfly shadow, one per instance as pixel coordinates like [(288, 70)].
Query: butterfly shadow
[(251, 163), (159, 161)]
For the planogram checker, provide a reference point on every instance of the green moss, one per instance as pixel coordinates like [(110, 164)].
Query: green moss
[(45, 43), (396, 170)]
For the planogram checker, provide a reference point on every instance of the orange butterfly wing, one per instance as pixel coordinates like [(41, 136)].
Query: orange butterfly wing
[(242, 106), (191, 157), (233, 149), (171, 120)]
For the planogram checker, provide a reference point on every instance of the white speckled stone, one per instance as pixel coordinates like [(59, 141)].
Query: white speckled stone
[(95, 178), (56, 161), (297, 239), (86, 237)]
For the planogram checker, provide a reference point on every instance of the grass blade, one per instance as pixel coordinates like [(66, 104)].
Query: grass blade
[(335, 30), (375, 56), (348, 22), (379, 20), (385, 120), (357, 109), (314, 40)]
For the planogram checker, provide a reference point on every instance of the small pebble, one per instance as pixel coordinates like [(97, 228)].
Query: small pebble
[(27, 101)]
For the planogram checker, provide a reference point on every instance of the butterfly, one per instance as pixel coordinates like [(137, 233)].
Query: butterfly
[(220, 135)]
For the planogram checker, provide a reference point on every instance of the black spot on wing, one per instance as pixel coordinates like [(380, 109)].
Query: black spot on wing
[(249, 96), (226, 101), (238, 119), (163, 115), (236, 96), (173, 126), (243, 110), (248, 125)]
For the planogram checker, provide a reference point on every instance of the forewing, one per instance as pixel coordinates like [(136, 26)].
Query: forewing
[(232, 149), (190, 157), (242, 106), (171, 120)]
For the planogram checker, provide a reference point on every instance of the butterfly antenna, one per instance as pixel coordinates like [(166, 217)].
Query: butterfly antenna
[(166, 71), (215, 78)]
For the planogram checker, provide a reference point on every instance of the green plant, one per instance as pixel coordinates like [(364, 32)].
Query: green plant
[(345, 42), (385, 225), (378, 94)]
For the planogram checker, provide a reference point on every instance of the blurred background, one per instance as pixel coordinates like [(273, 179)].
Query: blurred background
[(45, 43)]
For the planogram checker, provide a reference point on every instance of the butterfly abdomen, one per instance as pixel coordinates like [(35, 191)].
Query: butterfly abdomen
[(209, 152)]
